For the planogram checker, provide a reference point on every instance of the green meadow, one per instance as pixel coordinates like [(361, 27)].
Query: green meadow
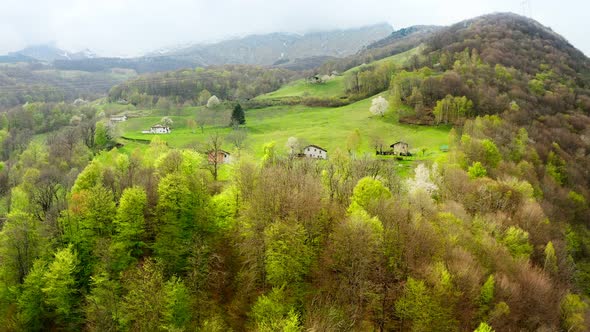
[(326, 127), (323, 126)]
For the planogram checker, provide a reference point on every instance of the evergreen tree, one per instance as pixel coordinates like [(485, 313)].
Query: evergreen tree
[(237, 116)]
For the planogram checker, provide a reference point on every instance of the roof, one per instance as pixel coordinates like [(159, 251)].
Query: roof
[(218, 151), (398, 142), (315, 146)]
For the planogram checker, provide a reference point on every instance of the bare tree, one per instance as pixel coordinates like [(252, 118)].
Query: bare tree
[(238, 138), (214, 143)]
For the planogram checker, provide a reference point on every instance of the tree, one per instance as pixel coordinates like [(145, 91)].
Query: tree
[(379, 106), (31, 304), (483, 327), (237, 116), (175, 221), (129, 227), (368, 191), (517, 242), (214, 143), (101, 136), (204, 96), (452, 109), (293, 145), (550, 265), (353, 142), (167, 121), (421, 308), (272, 313), (573, 313), (422, 181), (213, 102), (192, 124), (476, 170), (59, 289), (19, 246), (238, 138), (287, 254)]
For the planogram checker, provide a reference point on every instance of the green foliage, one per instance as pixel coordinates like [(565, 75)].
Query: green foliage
[(143, 285), (59, 286), (369, 191), (516, 241), (175, 216), (483, 327), (101, 136), (238, 116), (573, 313), (492, 155), (129, 227), (287, 256), (353, 142), (102, 304), (550, 259), (486, 296), (223, 208), (556, 168), (476, 170), (31, 304), (177, 311), (452, 109), (422, 309), (20, 245), (272, 313)]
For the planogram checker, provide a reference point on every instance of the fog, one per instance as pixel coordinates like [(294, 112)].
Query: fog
[(133, 27)]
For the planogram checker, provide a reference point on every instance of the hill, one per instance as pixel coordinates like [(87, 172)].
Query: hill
[(221, 225)]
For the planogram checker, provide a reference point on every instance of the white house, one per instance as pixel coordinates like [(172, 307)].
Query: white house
[(119, 118), (157, 129), (314, 151)]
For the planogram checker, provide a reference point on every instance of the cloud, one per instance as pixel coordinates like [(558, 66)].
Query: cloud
[(133, 27)]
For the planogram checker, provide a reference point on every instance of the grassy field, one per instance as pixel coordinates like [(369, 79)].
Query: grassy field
[(333, 88), (326, 127)]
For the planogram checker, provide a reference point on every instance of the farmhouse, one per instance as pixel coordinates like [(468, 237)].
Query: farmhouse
[(118, 118), (401, 148), (314, 151), (157, 129), (223, 157)]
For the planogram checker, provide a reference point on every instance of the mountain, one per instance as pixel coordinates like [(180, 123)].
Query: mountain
[(270, 48), (285, 50), (397, 42), (50, 53)]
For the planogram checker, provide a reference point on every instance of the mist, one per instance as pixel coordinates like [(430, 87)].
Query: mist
[(134, 27)]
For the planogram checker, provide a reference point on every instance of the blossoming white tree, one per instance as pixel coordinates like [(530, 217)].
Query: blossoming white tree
[(423, 180), (379, 106), (212, 102)]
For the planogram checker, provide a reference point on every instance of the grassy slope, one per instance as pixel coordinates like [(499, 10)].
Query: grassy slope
[(326, 127), (332, 88)]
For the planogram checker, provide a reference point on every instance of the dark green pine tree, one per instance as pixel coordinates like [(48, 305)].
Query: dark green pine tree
[(238, 116)]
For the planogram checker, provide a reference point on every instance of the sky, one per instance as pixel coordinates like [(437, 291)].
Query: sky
[(134, 27)]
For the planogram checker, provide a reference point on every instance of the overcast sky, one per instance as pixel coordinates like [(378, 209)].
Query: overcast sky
[(133, 27)]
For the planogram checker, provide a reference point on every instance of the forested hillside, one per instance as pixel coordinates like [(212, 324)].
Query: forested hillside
[(485, 229)]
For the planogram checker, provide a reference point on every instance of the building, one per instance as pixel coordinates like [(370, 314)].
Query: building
[(401, 148), (223, 157), (157, 129), (118, 118), (314, 151)]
